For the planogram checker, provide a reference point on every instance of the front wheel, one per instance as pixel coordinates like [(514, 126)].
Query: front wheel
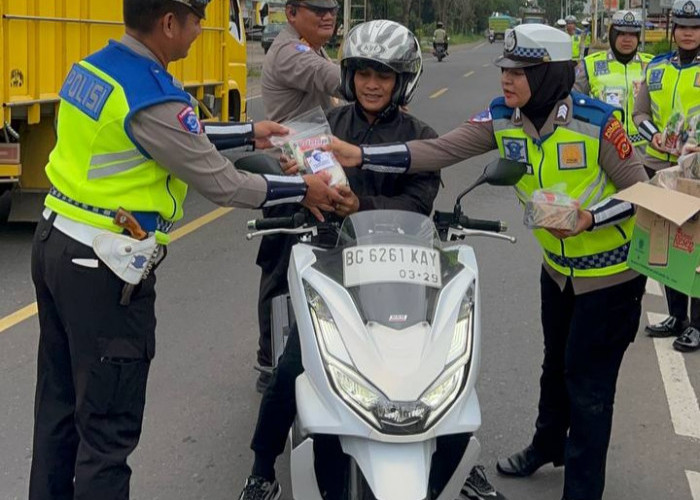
[(5, 206)]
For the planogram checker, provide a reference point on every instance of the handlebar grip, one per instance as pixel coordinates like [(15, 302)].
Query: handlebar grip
[(290, 222), (495, 226)]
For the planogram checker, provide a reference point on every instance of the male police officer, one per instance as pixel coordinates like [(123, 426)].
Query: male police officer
[(615, 76), (297, 77), (672, 88), (575, 35), (128, 137)]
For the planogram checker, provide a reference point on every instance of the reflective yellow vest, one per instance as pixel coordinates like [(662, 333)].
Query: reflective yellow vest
[(569, 156), (96, 166), (617, 84), (575, 47), (672, 88)]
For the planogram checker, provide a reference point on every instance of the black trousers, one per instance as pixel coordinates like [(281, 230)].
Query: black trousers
[(278, 406), (585, 338), (678, 306), (93, 362)]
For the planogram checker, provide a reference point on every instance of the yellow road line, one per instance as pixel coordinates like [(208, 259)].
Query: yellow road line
[(467, 75), (27, 312), (438, 93)]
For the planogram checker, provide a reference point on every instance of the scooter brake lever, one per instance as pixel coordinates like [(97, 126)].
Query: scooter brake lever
[(297, 230), (455, 233)]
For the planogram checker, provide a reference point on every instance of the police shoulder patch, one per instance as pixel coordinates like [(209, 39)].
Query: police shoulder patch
[(482, 117), (614, 133), (300, 47), (189, 120)]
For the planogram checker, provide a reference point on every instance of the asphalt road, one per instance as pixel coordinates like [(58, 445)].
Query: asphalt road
[(201, 399)]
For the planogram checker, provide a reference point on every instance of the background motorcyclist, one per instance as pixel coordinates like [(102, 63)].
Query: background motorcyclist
[(440, 37), (378, 84)]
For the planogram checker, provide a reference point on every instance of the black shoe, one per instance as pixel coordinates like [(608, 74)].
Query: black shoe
[(257, 488), (670, 327), (689, 340), (525, 463), (477, 486), (263, 381)]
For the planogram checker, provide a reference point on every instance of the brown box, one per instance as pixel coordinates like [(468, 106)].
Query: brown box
[(9, 153)]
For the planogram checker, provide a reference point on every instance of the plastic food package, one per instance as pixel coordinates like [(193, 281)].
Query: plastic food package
[(308, 133), (671, 135), (551, 209), (667, 178), (690, 165)]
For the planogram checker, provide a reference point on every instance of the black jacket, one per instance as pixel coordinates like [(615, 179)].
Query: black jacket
[(378, 191)]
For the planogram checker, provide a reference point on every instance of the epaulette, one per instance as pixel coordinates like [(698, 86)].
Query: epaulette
[(499, 110), (661, 57), (591, 110)]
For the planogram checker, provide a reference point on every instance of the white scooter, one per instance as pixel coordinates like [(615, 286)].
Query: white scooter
[(390, 330)]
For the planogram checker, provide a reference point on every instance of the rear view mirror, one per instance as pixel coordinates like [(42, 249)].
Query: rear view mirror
[(504, 172), (259, 164)]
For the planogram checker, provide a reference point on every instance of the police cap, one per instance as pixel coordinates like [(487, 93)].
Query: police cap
[(533, 44), (570, 19), (686, 12), (322, 4), (627, 21), (197, 6)]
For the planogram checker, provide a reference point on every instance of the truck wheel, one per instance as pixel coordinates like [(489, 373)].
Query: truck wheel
[(234, 106), (5, 206)]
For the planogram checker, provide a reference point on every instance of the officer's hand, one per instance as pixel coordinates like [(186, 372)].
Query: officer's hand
[(264, 130), (657, 142), (690, 148), (347, 154), (350, 203), (585, 221), (289, 166), (319, 195)]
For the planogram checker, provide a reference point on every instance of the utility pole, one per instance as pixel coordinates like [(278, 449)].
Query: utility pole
[(644, 22)]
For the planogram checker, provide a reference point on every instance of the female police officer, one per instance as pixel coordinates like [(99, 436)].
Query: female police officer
[(591, 301), (672, 85)]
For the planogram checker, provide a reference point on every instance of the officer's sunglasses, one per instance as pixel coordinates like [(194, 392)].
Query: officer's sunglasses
[(319, 11)]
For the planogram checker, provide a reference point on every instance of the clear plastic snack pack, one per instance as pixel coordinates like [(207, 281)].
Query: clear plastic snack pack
[(308, 133), (672, 133), (551, 209)]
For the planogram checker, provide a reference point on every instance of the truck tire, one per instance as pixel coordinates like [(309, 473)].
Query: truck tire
[(5, 206), (234, 106)]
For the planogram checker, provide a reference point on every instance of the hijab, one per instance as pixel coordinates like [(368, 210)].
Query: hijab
[(549, 83)]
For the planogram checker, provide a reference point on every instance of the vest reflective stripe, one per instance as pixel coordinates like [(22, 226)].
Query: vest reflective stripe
[(609, 79), (568, 157), (96, 163), (671, 88)]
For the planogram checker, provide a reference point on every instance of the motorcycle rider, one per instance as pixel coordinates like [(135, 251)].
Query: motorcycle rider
[(591, 300), (377, 85), (615, 76), (671, 86), (440, 37)]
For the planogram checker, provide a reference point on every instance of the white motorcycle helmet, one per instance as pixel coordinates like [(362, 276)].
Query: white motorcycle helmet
[(387, 44)]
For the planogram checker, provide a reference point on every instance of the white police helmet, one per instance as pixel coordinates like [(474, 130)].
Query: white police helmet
[(561, 23), (627, 21), (533, 44), (570, 19), (686, 12), (383, 44)]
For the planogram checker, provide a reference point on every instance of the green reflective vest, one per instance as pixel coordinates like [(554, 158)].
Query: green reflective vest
[(576, 47), (672, 88), (96, 167), (618, 84), (568, 157)]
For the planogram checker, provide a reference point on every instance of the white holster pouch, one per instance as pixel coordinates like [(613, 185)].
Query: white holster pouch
[(128, 258)]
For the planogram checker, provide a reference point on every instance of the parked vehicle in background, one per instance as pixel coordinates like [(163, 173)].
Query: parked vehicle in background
[(40, 43), (269, 33), (499, 23)]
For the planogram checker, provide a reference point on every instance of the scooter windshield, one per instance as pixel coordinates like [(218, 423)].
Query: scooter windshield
[(392, 265)]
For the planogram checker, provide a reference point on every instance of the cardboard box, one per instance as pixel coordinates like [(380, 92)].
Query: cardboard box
[(688, 186), (9, 153), (666, 240)]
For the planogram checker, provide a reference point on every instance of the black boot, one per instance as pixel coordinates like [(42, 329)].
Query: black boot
[(526, 462), (670, 327)]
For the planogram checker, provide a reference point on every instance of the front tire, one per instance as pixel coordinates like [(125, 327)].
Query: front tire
[(5, 206)]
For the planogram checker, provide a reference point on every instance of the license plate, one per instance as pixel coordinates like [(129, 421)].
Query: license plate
[(365, 265)]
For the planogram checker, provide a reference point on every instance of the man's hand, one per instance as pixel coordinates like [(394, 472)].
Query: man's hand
[(350, 203), (585, 221), (347, 154), (264, 130), (289, 166), (657, 142), (319, 195)]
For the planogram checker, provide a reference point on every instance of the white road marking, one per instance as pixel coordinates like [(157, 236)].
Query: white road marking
[(682, 401), (654, 288), (466, 75), (253, 97), (438, 93), (480, 45), (486, 65), (694, 481)]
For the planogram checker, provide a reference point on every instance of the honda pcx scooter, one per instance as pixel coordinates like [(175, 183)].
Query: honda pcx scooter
[(390, 329)]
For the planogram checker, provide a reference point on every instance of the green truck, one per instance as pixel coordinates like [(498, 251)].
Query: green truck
[(499, 23)]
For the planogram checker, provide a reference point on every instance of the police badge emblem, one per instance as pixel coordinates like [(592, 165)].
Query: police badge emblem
[(655, 78), (629, 18), (510, 41), (515, 149), (689, 8)]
